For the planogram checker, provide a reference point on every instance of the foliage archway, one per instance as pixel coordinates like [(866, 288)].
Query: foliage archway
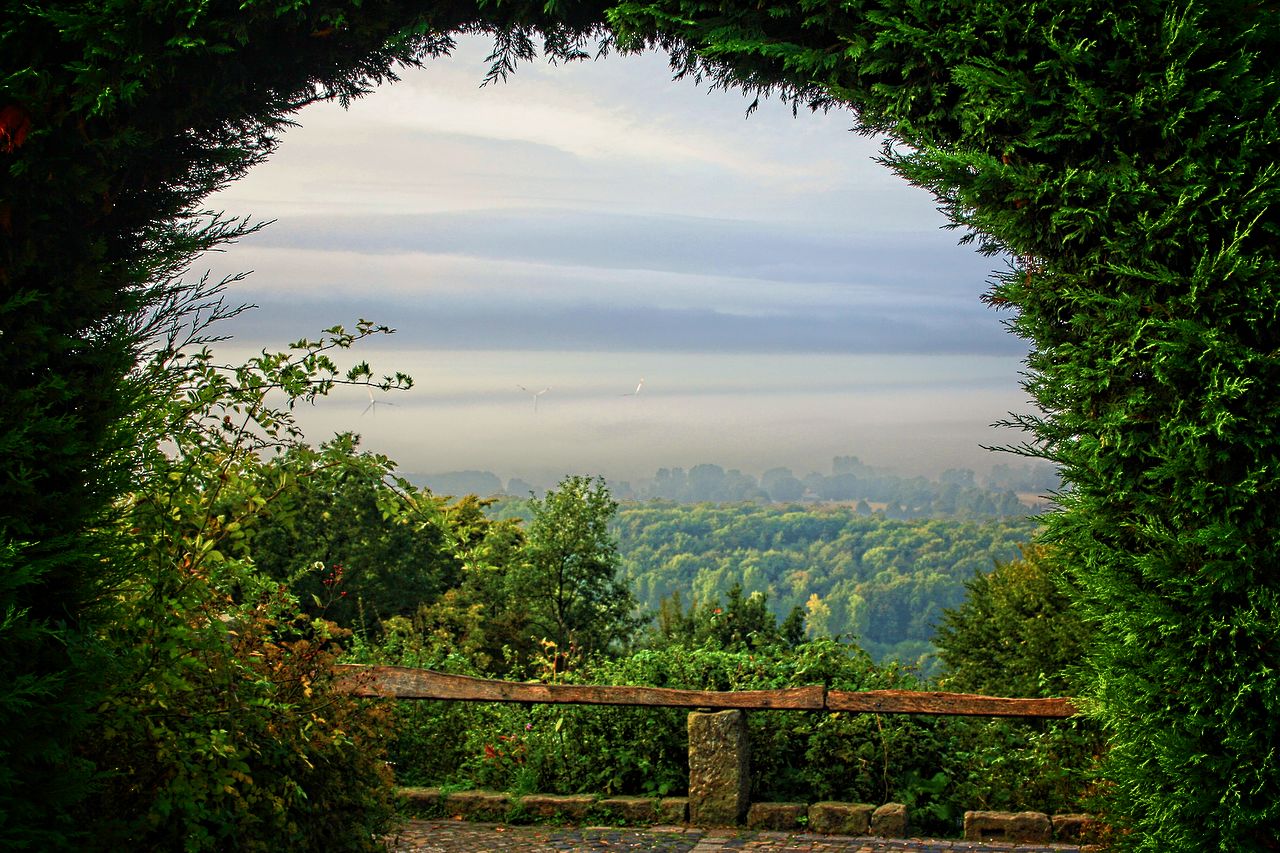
[(1124, 154)]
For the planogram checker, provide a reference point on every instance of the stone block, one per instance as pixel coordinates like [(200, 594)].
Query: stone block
[(889, 821), (478, 805), (1021, 827), (673, 810), (1074, 827), (834, 818), (634, 810), (776, 815), (422, 801), (563, 806), (719, 778)]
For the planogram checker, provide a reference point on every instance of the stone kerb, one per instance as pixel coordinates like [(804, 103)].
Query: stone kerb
[(558, 806), (1020, 827), (1074, 827), (889, 821), (632, 810), (672, 810), (478, 805), (826, 818), (780, 816), (831, 818)]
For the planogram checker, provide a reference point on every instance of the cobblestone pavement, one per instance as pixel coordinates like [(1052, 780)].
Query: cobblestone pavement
[(449, 836)]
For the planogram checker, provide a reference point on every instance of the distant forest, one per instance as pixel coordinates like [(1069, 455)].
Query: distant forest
[(881, 581), (1008, 491)]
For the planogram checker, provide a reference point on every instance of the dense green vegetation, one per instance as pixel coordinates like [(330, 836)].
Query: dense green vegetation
[(303, 548), (1124, 157), (939, 766), (1015, 633), (882, 582), (490, 626), (216, 725)]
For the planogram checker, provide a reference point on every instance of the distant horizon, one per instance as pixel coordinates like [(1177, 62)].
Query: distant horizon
[(1030, 467)]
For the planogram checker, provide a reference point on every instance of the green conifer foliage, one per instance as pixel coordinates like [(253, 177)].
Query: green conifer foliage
[(1122, 153), (1124, 158)]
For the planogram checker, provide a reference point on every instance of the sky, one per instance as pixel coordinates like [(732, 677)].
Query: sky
[(581, 227)]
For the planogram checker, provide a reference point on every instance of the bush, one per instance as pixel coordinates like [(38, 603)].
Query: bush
[(221, 728), (239, 742)]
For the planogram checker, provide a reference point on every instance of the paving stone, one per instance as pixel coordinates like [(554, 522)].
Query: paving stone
[(456, 836)]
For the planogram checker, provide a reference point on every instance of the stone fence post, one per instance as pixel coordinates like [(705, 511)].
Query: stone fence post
[(719, 773)]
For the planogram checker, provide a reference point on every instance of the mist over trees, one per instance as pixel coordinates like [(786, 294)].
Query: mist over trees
[(1010, 490)]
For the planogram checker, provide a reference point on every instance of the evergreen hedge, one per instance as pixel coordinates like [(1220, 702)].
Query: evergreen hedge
[(1122, 153)]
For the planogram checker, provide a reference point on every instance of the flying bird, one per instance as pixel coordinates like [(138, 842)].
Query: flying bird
[(534, 394), (636, 392)]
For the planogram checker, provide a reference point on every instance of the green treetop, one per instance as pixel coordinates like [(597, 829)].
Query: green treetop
[(570, 581)]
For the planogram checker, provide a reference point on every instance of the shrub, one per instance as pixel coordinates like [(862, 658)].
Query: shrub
[(221, 728)]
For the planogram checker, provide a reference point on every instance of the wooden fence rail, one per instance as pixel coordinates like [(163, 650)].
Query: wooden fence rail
[(401, 682)]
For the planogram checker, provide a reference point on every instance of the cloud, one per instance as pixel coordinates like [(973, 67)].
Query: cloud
[(465, 325), (627, 110), (774, 251), (565, 280), (608, 135)]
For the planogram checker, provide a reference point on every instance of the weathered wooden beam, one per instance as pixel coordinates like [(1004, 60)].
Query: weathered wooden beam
[(398, 682), (949, 704), (402, 682)]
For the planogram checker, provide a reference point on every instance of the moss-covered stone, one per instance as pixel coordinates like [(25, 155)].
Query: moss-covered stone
[(478, 805), (835, 818), (889, 821), (1024, 827), (572, 807), (776, 815), (719, 779), (636, 810), (673, 810)]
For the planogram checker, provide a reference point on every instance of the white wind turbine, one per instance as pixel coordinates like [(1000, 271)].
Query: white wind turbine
[(534, 394), (373, 402)]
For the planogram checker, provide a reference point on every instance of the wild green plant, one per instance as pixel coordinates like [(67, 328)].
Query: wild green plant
[(221, 728)]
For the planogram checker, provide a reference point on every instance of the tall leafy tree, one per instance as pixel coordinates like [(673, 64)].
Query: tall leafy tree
[(1015, 634), (353, 543), (1123, 162), (570, 580)]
